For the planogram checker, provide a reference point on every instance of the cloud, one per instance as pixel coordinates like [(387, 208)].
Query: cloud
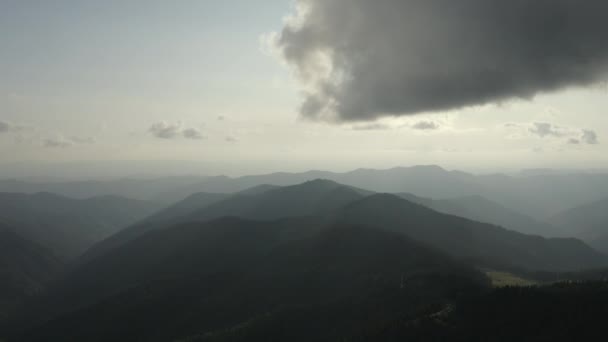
[(589, 137), (426, 126), (192, 133), (573, 141), (83, 140), (165, 130), (360, 60), (544, 129), (5, 127), (376, 126), (58, 142)]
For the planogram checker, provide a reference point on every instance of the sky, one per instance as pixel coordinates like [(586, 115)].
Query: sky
[(252, 86)]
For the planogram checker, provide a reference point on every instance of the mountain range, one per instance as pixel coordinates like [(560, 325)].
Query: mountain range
[(535, 194), (70, 226)]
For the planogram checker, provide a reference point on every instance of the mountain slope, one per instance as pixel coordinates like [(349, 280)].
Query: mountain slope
[(262, 202), (480, 209), (25, 270), (69, 226), (205, 277), (469, 239), (588, 222)]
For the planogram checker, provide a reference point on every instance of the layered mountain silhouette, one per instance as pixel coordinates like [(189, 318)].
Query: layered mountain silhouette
[(69, 226), (315, 197), (217, 267), (486, 243), (538, 194)]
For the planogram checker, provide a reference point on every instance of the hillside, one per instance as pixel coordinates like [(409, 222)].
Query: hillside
[(69, 226), (205, 278), (25, 270), (478, 208), (588, 222), (464, 238), (262, 202)]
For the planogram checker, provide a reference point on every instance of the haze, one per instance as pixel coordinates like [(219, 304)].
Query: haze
[(141, 83)]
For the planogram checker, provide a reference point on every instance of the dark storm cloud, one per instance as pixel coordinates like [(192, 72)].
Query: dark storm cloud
[(360, 59)]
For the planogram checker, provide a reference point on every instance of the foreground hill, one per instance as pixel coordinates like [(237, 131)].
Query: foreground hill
[(69, 226), (204, 278), (25, 270)]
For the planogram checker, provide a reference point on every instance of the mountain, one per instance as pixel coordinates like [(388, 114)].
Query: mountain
[(535, 194), (463, 238), (588, 222), (207, 278), (143, 189), (484, 243), (314, 197), (532, 194), (261, 203), (69, 226), (25, 270), (163, 218), (478, 208)]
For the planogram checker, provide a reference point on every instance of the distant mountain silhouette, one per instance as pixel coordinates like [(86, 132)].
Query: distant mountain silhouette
[(204, 277), (588, 222), (533, 194), (143, 189), (69, 226), (480, 209), (25, 269)]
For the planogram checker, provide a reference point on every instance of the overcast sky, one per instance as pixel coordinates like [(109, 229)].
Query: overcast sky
[(248, 86)]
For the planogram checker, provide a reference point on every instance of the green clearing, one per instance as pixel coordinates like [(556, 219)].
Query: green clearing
[(504, 279)]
